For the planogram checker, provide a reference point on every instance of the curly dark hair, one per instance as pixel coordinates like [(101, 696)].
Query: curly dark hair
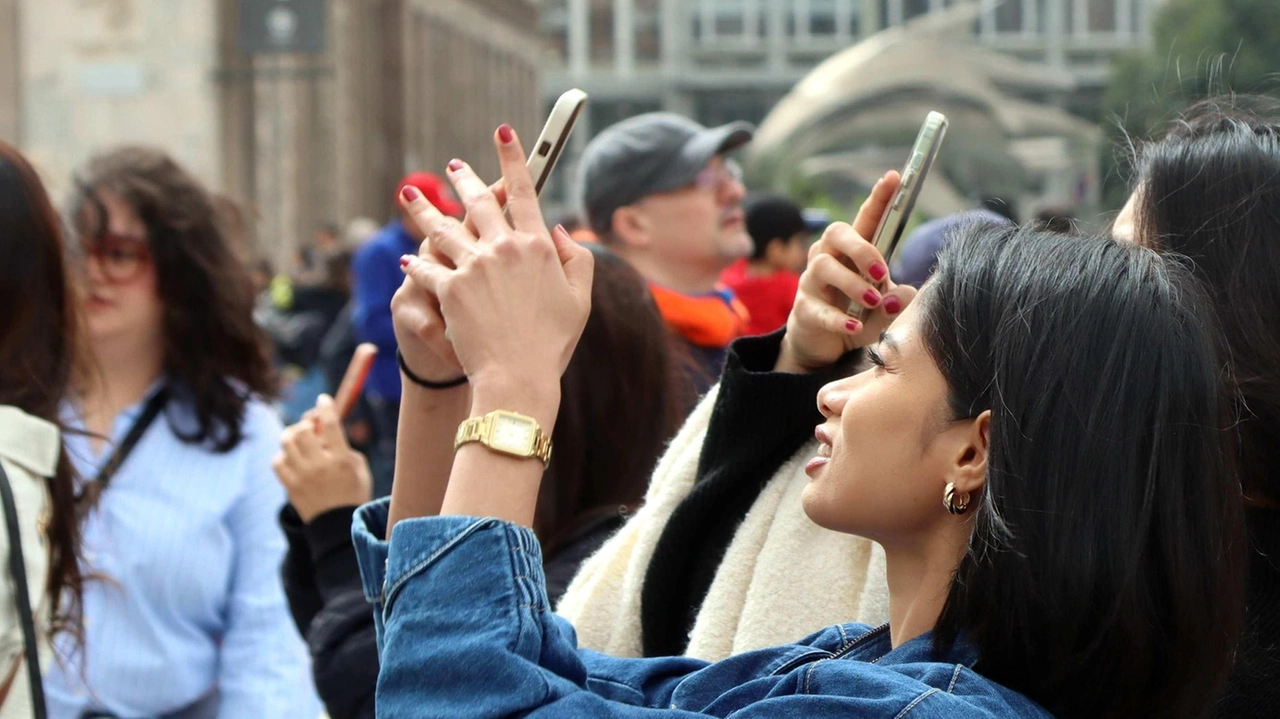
[(38, 344), (215, 354)]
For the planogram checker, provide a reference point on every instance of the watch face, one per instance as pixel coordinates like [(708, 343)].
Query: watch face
[(513, 435)]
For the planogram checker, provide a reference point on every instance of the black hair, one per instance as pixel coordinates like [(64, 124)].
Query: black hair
[(1104, 574), (1210, 190), (771, 218)]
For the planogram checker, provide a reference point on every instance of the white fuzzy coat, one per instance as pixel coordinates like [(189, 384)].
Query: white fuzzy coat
[(782, 576)]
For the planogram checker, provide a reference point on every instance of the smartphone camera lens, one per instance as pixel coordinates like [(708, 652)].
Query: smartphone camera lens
[(544, 148)]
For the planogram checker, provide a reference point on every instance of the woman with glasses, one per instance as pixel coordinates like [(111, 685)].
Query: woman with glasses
[(187, 612)]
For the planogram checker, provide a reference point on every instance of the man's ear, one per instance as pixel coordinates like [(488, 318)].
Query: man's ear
[(631, 226), (969, 469), (775, 253)]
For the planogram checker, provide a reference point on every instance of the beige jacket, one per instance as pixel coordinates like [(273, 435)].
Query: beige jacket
[(782, 577), (29, 450)]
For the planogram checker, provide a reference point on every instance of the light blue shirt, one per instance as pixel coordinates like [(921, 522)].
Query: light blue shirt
[(191, 601)]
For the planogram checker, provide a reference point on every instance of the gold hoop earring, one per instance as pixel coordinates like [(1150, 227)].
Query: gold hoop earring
[(949, 500)]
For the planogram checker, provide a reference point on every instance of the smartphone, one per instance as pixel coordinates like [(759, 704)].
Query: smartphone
[(353, 381), (894, 220), (554, 137)]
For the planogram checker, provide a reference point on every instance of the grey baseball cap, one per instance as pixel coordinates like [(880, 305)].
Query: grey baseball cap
[(647, 154)]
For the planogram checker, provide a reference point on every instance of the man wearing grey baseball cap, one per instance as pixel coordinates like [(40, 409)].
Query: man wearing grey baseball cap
[(659, 190)]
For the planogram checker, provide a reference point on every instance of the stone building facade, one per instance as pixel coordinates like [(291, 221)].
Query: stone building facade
[(299, 140)]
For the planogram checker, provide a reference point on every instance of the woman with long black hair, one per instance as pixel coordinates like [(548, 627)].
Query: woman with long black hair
[(39, 339), (1037, 446)]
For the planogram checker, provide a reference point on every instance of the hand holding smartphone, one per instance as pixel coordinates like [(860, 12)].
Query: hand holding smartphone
[(893, 223), (353, 381)]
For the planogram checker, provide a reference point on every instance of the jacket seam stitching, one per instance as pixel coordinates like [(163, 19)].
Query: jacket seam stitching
[(955, 677), (417, 568), (907, 709)]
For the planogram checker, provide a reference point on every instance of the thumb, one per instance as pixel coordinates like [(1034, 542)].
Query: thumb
[(328, 423), (578, 262)]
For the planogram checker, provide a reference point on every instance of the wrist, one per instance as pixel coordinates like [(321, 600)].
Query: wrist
[(537, 396)]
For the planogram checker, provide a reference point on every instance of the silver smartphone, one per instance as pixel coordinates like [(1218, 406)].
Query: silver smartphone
[(555, 135), (893, 223)]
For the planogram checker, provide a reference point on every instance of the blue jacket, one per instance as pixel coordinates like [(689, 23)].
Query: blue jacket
[(464, 631), (377, 275)]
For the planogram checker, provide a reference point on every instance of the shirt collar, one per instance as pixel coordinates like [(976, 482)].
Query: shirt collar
[(29, 441)]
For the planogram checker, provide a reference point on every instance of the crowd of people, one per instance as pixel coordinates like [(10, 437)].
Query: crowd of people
[(652, 466)]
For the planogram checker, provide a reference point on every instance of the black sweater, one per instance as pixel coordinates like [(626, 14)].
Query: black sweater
[(760, 420), (1254, 688)]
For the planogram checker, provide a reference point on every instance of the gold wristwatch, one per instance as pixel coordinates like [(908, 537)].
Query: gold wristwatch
[(508, 433)]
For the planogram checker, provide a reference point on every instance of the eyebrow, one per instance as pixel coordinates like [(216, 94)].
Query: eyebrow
[(889, 341)]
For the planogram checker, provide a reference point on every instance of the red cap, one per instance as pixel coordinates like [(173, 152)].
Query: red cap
[(434, 189)]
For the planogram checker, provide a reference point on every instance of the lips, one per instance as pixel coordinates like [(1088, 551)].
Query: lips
[(734, 219), (824, 451)]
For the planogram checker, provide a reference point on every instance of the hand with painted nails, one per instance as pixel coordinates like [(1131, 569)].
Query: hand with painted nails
[(843, 266), (514, 296), (419, 326)]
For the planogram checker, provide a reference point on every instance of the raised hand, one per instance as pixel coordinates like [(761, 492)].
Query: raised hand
[(318, 468), (819, 330)]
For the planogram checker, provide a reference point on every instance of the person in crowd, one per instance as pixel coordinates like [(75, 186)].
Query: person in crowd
[(1209, 191), (660, 190), (916, 257), (1038, 445), (376, 272), (618, 410), (767, 282), (174, 443), (38, 345), (722, 558)]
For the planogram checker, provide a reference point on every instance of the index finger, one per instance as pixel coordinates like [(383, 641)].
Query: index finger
[(874, 207), (522, 199)]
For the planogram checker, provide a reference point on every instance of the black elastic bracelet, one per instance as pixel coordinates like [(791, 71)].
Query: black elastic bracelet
[(424, 383)]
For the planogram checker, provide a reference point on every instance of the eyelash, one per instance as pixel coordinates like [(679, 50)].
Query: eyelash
[(875, 358)]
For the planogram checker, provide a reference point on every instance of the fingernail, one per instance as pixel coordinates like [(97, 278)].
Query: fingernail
[(871, 298), (853, 326), (560, 228), (878, 271), (455, 165), (410, 193), (404, 261), (892, 305), (505, 133)]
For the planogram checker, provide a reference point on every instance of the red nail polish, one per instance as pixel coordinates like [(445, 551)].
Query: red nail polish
[(410, 193), (404, 261), (455, 165), (892, 305), (878, 271), (871, 298), (505, 133), (853, 326)]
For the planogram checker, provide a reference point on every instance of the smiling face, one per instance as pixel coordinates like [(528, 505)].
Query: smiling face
[(890, 445)]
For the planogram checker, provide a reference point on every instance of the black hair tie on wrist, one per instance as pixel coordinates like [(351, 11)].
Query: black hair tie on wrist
[(425, 383)]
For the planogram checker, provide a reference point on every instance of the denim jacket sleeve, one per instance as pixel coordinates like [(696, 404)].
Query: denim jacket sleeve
[(464, 629)]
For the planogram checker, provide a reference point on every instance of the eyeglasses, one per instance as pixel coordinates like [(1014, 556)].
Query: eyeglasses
[(121, 258), (717, 176)]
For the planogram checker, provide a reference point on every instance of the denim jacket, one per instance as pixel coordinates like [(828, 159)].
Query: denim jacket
[(464, 630)]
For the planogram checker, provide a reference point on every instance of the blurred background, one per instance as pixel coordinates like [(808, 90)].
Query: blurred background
[(307, 112)]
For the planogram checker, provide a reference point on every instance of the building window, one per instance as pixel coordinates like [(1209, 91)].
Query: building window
[(601, 31), (648, 24), (914, 8), (1009, 16), (822, 18), (1102, 16), (554, 21)]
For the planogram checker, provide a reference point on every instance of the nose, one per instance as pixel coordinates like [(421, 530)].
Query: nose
[(733, 192), (832, 398)]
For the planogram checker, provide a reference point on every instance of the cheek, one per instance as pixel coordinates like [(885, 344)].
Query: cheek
[(881, 476)]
